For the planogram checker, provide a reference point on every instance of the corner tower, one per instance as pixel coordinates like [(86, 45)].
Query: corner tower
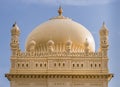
[(59, 53), (104, 44), (15, 32)]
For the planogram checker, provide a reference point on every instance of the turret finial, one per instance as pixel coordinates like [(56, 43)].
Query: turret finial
[(86, 43), (104, 26), (60, 11), (14, 24)]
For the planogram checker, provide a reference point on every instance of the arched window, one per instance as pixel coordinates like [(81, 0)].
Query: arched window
[(36, 65), (26, 65), (55, 64), (77, 65), (63, 64), (81, 65), (59, 64), (99, 65), (22, 65), (73, 65), (45, 64), (40, 65), (91, 65), (95, 65), (18, 65)]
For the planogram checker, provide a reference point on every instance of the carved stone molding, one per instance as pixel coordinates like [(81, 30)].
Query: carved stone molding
[(82, 76)]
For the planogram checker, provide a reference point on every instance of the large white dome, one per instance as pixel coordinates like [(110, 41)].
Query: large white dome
[(59, 30)]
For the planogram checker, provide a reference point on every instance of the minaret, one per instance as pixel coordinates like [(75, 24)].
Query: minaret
[(104, 39), (15, 32)]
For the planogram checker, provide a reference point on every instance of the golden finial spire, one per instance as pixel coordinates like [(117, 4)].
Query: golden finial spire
[(60, 11), (103, 23)]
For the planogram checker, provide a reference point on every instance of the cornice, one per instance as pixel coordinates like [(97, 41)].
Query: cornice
[(82, 76)]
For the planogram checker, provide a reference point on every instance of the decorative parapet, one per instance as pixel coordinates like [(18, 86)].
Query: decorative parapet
[(57, 62), (58, 54)]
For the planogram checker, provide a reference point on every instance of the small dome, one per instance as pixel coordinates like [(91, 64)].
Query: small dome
[(50, 42), (69, 42), (60, 29), (32, 42), (86, 43)]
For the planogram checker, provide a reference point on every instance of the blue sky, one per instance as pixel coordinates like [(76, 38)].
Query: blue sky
[(30, 13)]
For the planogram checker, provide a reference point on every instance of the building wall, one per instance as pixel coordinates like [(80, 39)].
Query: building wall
[(59, 65), (58, 82)]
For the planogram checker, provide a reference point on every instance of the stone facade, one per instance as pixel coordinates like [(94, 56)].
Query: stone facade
[(61, 68)]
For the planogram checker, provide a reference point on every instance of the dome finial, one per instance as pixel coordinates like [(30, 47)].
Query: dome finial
[(103, 23), (60, 11)]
